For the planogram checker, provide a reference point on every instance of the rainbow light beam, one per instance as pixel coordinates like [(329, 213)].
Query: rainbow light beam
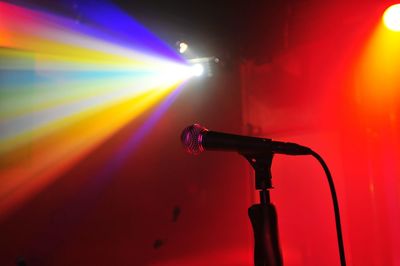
[(66, 88)]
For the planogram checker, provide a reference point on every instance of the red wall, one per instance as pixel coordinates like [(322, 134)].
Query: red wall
[(312, 93)]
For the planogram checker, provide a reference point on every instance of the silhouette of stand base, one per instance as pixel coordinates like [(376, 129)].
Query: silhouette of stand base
[(263, 216)]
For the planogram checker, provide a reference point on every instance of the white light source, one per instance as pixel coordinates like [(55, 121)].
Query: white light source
[(197, 70), (391, 17), (183, 47)]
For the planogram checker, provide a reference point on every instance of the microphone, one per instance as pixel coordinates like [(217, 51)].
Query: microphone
[(196, 139)]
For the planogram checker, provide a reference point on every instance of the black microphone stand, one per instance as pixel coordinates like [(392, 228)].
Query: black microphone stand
[(263, 216)]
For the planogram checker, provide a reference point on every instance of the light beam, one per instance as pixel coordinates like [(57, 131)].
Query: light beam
[(67, 88)]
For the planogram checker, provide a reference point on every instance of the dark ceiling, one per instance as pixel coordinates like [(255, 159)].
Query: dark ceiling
[(244, 29), (232, 29)]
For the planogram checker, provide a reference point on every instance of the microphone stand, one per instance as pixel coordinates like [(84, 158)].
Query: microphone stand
[(263, 216)]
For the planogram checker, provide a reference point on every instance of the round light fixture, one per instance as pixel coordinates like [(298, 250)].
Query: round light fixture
[(391, 17)]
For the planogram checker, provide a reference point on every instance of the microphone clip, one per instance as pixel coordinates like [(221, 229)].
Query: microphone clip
[(261, 163)]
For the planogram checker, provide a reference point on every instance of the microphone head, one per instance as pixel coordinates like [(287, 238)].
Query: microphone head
[(192, 138)]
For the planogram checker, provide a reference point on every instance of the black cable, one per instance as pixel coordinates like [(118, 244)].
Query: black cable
[(335, 207)]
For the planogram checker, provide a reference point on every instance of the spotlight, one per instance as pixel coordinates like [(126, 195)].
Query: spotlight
[(197, 70), (202, 66), (391, 17), (183, 47)]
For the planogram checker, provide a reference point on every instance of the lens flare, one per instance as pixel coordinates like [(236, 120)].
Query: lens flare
[(66, 88)]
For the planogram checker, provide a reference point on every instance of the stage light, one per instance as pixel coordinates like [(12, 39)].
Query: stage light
[(183, 47), (197, 70), (67, 88), (391, 17)]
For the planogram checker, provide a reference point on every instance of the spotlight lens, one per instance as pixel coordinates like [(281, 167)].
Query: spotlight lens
[(197, 70), (183, 47), (391, 17)]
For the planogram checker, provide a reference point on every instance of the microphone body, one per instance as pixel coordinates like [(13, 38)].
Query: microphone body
[(197, 139)]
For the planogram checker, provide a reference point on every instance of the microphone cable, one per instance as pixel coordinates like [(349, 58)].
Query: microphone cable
[(335, 206)]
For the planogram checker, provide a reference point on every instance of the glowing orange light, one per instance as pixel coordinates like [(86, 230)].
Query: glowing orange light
[(391, 17)]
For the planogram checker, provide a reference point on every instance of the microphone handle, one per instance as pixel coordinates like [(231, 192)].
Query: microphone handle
[(212, 140)]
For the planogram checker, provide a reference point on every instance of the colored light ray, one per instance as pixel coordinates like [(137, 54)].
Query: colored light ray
[(63, 93), (58, 48), (56, 105), (377, 102), (50, 156), (124, 28), (83, 201), (391, 17), (104, 175), (377, 73)]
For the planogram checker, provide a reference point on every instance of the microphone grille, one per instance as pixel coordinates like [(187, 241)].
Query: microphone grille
[(192, 137)]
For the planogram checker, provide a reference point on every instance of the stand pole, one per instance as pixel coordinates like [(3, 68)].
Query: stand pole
[(263, 219), (263, 216)]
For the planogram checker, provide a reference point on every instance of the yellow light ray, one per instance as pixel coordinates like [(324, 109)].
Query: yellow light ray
[(51, 154)]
